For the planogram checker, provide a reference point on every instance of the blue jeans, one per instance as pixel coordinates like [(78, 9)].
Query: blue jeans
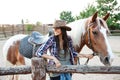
[(65, 76)]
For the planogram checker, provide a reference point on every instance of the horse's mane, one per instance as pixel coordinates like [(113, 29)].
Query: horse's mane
[(78, 29)]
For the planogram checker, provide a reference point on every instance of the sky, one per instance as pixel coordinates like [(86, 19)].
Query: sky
[(44, 11)]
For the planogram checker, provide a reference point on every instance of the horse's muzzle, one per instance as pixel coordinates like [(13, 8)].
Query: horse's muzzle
[(106, 61)]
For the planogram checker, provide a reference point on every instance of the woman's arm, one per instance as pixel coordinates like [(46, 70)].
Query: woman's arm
[(57, 62), (90, 56), (43, 48)]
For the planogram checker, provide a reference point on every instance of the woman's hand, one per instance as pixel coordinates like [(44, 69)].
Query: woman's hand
[(90, 56), (57, 62)]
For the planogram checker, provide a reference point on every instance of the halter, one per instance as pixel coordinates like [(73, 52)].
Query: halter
[(89, 38), (90, 42)]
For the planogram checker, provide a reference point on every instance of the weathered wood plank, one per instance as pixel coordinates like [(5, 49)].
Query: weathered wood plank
[(85, 69), (64, 68), (15, 70), (38, 67)]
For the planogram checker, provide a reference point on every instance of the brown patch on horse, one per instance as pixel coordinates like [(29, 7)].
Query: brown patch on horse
[(20, 58), (13, 54), (11, 57)]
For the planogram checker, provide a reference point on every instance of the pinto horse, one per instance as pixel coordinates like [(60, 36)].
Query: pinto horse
[(91, 31)]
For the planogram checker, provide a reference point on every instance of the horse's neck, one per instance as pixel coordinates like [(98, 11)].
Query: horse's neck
[(78, 30), (79, 48)]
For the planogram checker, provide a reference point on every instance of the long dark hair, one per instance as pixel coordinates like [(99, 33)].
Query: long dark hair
[(65, 40)]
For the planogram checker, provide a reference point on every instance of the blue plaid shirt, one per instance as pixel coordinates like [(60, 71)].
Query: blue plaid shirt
[(51, 44)]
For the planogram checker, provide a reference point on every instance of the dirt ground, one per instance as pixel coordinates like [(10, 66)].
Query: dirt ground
[(114, 42)]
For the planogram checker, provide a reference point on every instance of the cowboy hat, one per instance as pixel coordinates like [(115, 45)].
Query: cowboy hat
[(61, 24)]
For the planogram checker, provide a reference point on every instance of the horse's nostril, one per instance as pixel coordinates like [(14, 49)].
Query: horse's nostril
[(106, 60)]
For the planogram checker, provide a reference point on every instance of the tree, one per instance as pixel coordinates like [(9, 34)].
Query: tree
[(67, 16), (103, 7), (112, 7), (87, 12)]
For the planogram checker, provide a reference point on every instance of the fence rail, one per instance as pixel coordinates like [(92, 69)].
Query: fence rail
[(39, 66)]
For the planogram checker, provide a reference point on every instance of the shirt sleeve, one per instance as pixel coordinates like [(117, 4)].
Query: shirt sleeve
[(43, 48), (72, 48)]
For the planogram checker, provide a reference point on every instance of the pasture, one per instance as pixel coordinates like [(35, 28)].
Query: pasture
[(114, 42)]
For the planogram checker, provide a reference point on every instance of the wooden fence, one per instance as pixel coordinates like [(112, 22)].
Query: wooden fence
[(7, 30), (39, 68)]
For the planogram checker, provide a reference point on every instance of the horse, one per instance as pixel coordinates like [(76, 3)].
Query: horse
[(90, 31), (93, 32)]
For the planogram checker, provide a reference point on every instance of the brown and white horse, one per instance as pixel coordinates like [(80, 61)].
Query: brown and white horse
[(91, 31)]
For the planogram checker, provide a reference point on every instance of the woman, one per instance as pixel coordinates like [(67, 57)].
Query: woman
[(61, 50)]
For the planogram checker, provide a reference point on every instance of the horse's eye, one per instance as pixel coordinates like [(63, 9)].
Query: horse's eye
[(94, 32)]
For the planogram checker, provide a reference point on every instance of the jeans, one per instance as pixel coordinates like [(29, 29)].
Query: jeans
[(65, 76)]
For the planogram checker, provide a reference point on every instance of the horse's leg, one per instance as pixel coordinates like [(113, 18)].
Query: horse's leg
[(9, 77)]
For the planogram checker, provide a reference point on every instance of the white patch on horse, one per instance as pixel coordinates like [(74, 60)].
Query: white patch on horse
[(111, 55), (78, 28)]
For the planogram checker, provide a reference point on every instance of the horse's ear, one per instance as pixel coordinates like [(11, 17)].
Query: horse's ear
[(106, 16), (94, 17)]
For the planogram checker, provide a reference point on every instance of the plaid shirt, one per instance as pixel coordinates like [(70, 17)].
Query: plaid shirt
[(51, 44)]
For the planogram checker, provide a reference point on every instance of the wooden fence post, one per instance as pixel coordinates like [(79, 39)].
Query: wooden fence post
[(3, 29), (38, 69), (13, 30)]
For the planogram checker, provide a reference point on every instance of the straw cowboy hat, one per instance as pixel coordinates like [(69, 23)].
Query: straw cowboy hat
[(61, 24)]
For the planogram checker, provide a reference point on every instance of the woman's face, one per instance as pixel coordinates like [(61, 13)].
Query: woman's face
[(57, 31)]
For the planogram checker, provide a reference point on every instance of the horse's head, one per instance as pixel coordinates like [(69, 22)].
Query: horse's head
[(96, 38)]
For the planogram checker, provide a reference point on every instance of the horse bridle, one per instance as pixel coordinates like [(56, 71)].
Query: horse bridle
[(90, 42)]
